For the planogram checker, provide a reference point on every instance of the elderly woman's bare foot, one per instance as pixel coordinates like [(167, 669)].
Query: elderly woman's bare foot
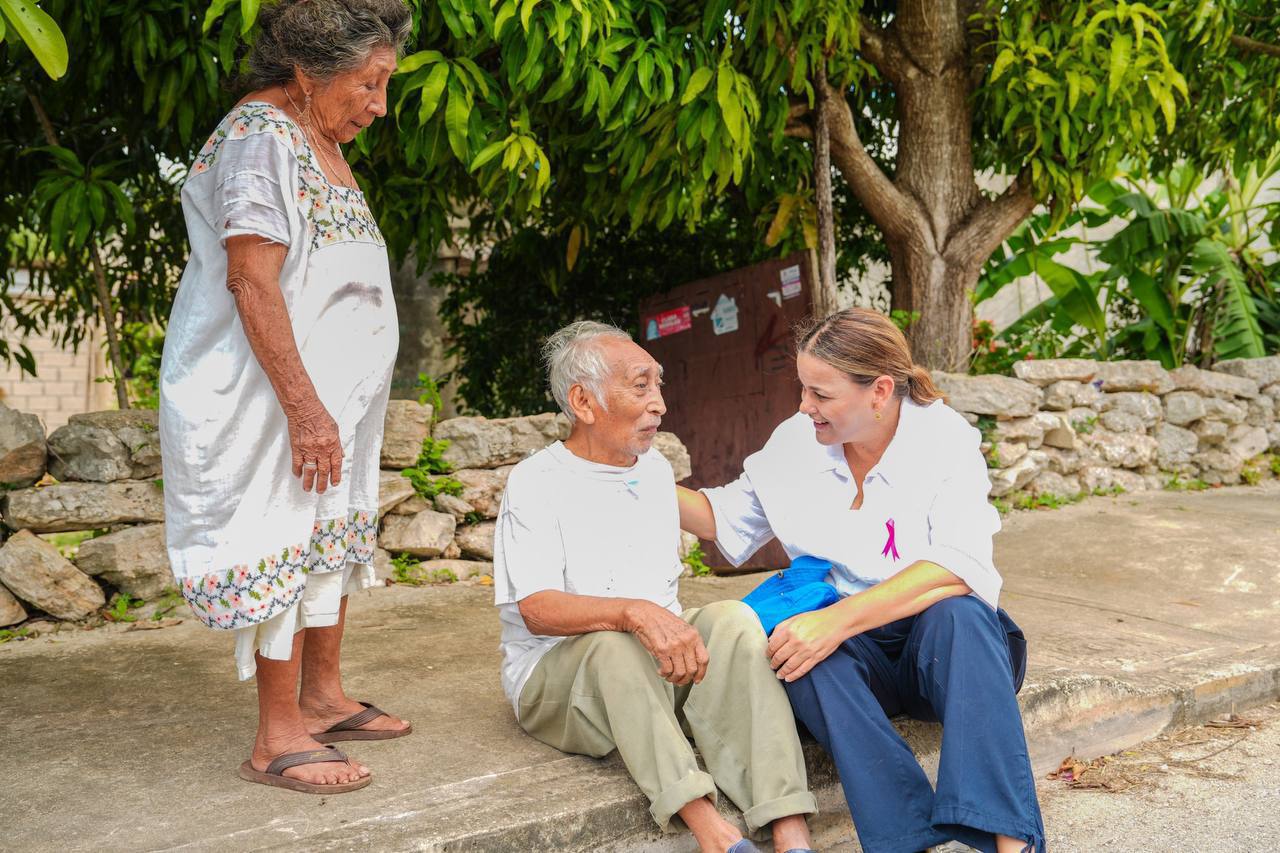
[(323, 773)]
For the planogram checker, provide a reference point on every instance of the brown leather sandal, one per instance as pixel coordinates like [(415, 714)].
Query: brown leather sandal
[(349, 729), (274, 774)]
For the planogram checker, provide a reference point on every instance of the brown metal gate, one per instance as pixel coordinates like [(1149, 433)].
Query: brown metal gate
[(726, 346)]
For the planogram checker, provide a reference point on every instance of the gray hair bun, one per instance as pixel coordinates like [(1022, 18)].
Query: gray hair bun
[(324, 38)]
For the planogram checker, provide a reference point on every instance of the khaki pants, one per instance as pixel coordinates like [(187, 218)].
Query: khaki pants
[(600, 691)]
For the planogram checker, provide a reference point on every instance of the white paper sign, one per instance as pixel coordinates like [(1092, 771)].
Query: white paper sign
[(790, 282), (724, 317)]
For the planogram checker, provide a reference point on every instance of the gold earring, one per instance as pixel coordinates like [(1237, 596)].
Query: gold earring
[(877, 411)]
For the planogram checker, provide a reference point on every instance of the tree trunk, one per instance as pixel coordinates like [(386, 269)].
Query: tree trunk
[(939, 228), (941, 335), (825, 299), (105, 302)]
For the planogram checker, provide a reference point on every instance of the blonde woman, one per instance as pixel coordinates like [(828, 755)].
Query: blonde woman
[(878, 476)]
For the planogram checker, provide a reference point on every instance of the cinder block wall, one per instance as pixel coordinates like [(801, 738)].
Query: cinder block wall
[(65, 382)]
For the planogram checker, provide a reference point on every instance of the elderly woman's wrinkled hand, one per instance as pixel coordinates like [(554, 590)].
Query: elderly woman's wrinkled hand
[(317, 447), (804, 641)]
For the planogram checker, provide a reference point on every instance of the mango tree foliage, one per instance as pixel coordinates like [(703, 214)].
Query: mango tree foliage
[(91, 165), (639, 112), (26, 22), (634, 112)]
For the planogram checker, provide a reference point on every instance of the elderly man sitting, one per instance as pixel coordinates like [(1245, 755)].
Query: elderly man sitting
[(597, 655)]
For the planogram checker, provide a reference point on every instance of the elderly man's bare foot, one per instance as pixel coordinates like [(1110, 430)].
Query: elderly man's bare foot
[(318, 714), (266, 750)]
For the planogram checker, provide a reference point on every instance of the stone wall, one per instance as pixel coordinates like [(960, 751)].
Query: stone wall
[(1067, 427), (101, 472), (1058, 429)]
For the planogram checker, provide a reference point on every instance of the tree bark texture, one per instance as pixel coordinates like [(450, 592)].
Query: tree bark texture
[(825, 299), (939, 228)]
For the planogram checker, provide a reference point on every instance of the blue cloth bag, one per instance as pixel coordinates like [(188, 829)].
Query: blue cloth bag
[(799, 589)]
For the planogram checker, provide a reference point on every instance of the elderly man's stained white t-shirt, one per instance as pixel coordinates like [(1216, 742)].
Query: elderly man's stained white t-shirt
[(926, 499), (576, 526)]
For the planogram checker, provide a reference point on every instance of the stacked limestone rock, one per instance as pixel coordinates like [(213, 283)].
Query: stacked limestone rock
[(455, 533), (107, 468), (1067, 426), (107, 465)]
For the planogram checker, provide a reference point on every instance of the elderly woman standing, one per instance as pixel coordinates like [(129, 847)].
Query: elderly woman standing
[(275, 377)]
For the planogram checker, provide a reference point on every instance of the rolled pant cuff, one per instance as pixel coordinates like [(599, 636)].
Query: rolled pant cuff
[(763, 814), (977, 825), (675, 797)]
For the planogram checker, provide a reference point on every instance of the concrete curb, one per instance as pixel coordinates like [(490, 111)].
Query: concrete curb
[(598, 809)]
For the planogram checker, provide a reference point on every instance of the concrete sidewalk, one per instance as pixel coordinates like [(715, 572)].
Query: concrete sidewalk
[(1143, 611)]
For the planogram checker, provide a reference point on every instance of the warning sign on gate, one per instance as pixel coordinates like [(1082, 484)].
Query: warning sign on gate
[(668, 323)]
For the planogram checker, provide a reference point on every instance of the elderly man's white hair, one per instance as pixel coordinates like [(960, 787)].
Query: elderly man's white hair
[(572, 357)]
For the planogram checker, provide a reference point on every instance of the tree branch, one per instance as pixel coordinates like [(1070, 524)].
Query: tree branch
[(1254, 46), (825, 299), (991, 223), (880, 49), (888, 207), (105, 303), (797, 124)]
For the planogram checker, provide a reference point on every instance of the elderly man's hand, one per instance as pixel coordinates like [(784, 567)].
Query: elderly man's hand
[(673, 642)]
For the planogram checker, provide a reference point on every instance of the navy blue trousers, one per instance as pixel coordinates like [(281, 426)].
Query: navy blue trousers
[(959, 663)]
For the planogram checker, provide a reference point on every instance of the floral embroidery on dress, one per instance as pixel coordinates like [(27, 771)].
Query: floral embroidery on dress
[(336, 214), (337, 541), (247, 595)]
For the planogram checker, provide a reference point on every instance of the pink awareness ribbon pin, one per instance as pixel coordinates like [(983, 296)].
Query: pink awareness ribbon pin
[(890, 545)]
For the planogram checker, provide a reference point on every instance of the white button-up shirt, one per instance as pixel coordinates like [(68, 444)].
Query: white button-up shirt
[(926, 499)]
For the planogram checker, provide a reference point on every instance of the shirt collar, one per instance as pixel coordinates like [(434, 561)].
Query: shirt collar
[(896, 459)]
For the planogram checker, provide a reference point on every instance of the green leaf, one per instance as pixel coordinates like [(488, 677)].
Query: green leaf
[(414, 61), (526, 12), (505, 14), (1076, 293), (1153, 300), (1164, 98), (488, 153), (58, 223), (1073, 89), (248, 14), (1120, 58), (697, 82), (97, 205), (168, 96), (124, 208), (431, 92), (456, 113), (730, 106), (1236, 331), (476, 74), (215, 11), (1002, 63), (66, 158), (40, 33)]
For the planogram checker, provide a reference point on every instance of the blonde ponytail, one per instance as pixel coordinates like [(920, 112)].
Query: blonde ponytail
[(865, 344)]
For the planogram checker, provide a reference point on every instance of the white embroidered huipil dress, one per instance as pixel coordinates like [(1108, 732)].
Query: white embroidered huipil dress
[(251, 551)]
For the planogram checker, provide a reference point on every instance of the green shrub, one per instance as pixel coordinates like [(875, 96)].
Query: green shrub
[(694, 561)]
